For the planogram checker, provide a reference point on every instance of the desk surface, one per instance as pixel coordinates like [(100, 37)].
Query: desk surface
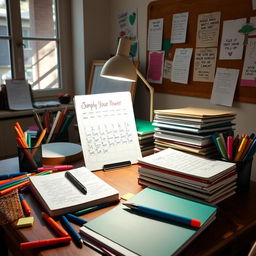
[(232, 232)]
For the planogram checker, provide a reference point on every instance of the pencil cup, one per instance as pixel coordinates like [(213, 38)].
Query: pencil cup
[(29, 158), (244, 174)]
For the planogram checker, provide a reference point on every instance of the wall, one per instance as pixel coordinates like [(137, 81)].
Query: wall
[(245, 121)]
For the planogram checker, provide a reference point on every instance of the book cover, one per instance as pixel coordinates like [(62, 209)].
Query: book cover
[(59, 196), (125, 232), (144, 127)]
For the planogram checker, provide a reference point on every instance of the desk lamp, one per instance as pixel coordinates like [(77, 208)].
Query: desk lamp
[(119, 67)]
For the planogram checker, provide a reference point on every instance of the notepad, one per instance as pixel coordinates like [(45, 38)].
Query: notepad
[(59, 196), (123, 232)]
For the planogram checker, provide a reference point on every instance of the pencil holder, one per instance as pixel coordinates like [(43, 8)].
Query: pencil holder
[(29, 158), (244, 174)]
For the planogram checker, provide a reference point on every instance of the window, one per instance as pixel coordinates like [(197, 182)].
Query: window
[(30, 45)]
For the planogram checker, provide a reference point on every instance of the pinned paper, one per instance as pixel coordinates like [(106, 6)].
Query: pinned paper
[(181, 64), (155, 34), (249, 68), (127, 22), (168, 69), (155, 67), (224, 86), (204, 64), (179, 27), (208, 26), (232, 41)]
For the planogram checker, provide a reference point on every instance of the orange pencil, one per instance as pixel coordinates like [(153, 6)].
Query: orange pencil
[(56, 227), (25, 205), (19, 128), (41, 137)]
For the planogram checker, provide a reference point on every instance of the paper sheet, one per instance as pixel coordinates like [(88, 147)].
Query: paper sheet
[(167, 69), (232, 42), (249, 68), (155, 34), (181, 65), (155, 67), (224, 86), (179, 27), (107, 129), (18, 95), (127, 21), (208, 26), (204, 64)]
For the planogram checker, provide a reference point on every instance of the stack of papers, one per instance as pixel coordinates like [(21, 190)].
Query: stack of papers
[(190, 129), (145, 131), (189, 175)]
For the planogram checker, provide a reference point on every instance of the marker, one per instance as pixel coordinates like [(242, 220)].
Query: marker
[(72, 232), (230, 148), (45, 243), (11, 175), (12, 183), (165, 215), (56, 168), (76, 182), (18, 186), (56, 227), (25, 205), (73, 218)]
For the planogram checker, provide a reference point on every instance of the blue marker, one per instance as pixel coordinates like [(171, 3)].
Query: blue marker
[(11, 175), (251, 150), (73, 218), (72, 232)]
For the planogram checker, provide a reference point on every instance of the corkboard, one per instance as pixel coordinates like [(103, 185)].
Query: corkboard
[(230, 9)]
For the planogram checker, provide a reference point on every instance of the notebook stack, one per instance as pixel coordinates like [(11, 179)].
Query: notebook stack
[(145, 131), (188, 175), (191, 129)]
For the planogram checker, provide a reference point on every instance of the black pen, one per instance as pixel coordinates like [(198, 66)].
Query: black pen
[(76, 182)]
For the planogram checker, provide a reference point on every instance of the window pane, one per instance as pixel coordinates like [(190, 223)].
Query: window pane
[(3, 19), (38, 18), (5, 66), (41, 64)]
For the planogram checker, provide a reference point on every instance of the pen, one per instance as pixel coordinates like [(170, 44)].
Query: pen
[(94, 208), (11, 175), (165, 215), (45, 243), (25, 205), (56, 168), (72, 232), (73, 218), (56, 227), (76, 182)]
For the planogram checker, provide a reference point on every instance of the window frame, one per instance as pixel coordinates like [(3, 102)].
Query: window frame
[(62, 39)]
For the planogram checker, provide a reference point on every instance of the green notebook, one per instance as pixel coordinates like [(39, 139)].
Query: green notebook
[(124, 232), (144, 127)]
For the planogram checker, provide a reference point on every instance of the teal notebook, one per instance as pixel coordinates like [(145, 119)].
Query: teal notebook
[(144, 127), (124, 232)]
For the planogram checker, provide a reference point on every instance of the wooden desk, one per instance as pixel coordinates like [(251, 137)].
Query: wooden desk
[(232, 233)]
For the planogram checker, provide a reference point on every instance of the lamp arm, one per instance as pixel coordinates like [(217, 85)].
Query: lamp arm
[(151, 92)]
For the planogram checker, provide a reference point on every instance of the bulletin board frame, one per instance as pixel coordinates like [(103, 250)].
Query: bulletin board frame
[(230, 10)]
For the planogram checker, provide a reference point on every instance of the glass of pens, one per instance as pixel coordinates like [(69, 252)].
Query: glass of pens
[(239, 150)]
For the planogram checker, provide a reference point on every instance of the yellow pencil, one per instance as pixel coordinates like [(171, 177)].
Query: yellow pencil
[(241, 149)]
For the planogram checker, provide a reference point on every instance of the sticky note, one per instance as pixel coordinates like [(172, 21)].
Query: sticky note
[(25, 222), (127, 196)]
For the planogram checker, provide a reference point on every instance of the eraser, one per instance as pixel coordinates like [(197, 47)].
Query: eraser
[(25, 222), (127, 196)]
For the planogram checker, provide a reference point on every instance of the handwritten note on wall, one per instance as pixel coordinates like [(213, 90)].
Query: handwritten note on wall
[(204, 64), (232, 41), (155, 34), (107, 129), (208, 26)]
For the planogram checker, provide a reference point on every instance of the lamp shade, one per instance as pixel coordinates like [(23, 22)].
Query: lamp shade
[(119, 66)]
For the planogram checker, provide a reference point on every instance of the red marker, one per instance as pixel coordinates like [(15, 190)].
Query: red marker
[(45, 243), (25, 205), (56, 227)]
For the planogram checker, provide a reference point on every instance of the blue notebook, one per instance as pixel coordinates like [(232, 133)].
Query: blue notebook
[(124, 232)]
